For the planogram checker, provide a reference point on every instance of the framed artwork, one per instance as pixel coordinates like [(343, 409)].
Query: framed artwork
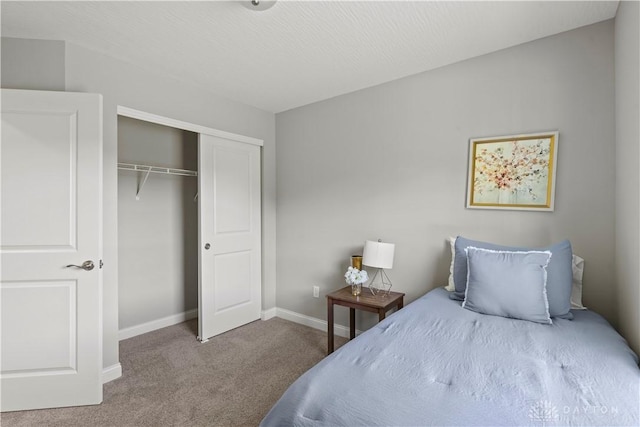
[(513, 172)]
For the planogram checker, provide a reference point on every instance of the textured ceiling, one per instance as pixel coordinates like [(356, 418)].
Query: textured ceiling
[(296, 52)]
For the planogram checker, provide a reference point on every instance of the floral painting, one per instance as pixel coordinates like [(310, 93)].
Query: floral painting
[(513, 172)]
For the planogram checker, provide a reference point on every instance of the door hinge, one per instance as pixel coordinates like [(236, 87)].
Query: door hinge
[(101, 264)]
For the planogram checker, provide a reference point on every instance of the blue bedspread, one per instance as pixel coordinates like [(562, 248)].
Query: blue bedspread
[(435, 363)]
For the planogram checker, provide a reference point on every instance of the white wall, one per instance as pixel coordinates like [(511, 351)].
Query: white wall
[(627, 73), (390, 162), (157, 234), (34, 64), (124, 84)]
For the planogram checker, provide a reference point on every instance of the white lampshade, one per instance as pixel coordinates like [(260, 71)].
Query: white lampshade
[(378, 254)]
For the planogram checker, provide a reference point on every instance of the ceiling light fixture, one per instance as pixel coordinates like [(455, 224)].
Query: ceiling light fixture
[(259, 4)]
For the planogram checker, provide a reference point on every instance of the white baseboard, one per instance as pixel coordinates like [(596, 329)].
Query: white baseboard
[(111, 373), (133, 331), (340, 330), (268, 314), (292, 316)]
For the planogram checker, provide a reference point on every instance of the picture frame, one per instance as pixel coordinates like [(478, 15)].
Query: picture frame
[(515, 172)]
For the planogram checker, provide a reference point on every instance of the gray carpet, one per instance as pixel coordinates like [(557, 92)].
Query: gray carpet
[(170, 379)]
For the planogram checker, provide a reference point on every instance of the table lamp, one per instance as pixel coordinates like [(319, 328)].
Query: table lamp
[(379, 255)]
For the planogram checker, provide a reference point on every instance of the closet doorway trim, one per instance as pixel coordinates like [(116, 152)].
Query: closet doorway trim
[(178, 124)]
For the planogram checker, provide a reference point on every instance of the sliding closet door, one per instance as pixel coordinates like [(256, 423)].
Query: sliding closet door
[(229, 235)]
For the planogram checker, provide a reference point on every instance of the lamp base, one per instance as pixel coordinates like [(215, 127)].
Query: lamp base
[(382, 285)]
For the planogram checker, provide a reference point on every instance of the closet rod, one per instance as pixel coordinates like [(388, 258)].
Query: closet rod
[(154, 169)]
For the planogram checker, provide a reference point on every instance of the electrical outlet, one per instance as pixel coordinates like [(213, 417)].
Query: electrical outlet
[(316, 291)]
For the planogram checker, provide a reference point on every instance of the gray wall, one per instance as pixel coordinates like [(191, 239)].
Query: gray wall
[(124, 84), (157, 234), (627, 48), (127, 85), (33, 64), (390, 162)]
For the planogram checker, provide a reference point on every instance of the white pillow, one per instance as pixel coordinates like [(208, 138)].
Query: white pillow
[(576, 289), (577, 267), (451, 286)]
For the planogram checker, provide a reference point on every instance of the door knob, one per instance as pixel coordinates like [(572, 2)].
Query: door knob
[(207, 246), (87, 265)]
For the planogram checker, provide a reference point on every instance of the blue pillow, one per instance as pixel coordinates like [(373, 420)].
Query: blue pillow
[(559, 272), (508, 284)]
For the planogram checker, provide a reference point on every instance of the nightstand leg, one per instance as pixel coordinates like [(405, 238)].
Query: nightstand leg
[(330, 326), (352, 323), (381, 315)]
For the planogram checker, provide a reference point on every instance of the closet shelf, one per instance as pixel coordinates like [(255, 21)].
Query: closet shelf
[(154, 169)]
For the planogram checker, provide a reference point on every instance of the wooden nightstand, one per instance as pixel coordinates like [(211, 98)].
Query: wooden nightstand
[(380, 303)]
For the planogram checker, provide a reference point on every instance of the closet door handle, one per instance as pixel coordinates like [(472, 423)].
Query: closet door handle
[(87, 265), (207, 246)]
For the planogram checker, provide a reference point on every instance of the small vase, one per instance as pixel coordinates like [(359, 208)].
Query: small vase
[(356, 290), (356, 261)]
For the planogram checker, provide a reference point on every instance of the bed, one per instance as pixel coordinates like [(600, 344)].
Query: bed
[(436, 363)]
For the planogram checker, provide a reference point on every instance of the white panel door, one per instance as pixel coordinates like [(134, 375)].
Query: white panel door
[(230, 238), (51, 192)]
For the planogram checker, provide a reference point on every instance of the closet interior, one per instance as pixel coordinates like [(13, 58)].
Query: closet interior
[(157, 225)]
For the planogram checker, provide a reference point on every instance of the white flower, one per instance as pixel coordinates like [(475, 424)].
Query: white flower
[(353, 276)]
